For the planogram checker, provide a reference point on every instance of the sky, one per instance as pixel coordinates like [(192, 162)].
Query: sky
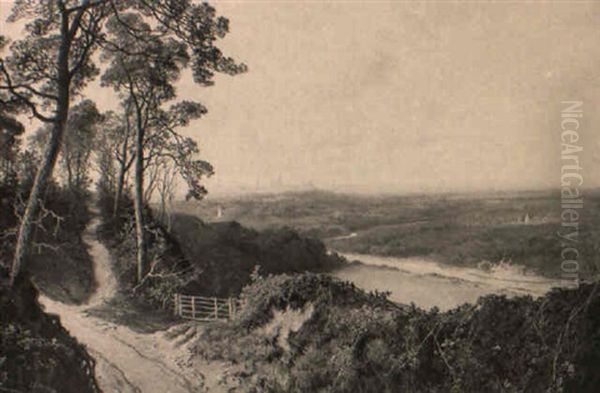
[(397, 97)]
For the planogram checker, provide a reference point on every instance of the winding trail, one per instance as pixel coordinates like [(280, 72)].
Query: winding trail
[(126, 361)]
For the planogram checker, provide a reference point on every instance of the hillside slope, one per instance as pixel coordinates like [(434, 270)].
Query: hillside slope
[(312, 333), (225, 254)]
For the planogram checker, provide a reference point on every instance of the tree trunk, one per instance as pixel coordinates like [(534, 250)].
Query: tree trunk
[(124, 166), (119, 190), (163, 208), (69, 170), (78, 183), (44, 173), (138, 200)]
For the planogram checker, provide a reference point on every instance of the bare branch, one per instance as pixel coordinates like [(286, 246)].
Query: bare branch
[(153, 273)]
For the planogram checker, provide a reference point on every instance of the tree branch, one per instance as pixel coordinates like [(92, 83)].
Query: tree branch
[(47, 96), (85, 5), (23, 99)]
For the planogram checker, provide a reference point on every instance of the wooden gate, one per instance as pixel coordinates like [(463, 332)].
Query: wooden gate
[(200, 308)]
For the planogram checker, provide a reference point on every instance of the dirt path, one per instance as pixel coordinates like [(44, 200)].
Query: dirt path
[(126, 361)]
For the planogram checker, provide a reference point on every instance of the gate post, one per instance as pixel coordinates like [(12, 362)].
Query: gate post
[(193, 307), (176, 305)]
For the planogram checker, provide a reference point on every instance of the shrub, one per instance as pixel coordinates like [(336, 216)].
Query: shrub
[(360, 342), (226, 253)]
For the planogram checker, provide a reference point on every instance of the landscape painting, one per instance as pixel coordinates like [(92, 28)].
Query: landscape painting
[(262, 196)]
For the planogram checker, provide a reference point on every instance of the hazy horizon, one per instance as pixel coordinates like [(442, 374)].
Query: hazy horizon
[(396, 97), (490, 193)]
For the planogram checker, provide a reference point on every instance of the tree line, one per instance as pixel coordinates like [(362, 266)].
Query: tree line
[(139, 49)]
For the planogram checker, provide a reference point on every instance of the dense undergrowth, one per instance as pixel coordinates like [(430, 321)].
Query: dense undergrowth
[(64, 271), (203, 259), (227, 253), (36, 353), (359, 342), (170, 271), (58, 262)]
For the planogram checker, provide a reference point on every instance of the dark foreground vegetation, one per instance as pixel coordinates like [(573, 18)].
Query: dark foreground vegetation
[(59, 262), (36, 353), (351, 341), (64, 271), (517, 227)]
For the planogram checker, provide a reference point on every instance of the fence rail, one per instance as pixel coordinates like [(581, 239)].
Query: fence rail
[(200, 308)]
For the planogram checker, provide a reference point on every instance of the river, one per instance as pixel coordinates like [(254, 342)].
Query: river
[(428, 283)]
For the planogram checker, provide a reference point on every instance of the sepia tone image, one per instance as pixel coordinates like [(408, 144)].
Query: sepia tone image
[(299, 196)]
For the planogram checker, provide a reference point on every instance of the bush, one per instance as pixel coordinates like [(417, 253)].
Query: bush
[(226, 253), (359, 342), (278, 292)]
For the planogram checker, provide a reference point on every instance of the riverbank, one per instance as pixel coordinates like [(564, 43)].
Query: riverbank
[(430, 284)]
